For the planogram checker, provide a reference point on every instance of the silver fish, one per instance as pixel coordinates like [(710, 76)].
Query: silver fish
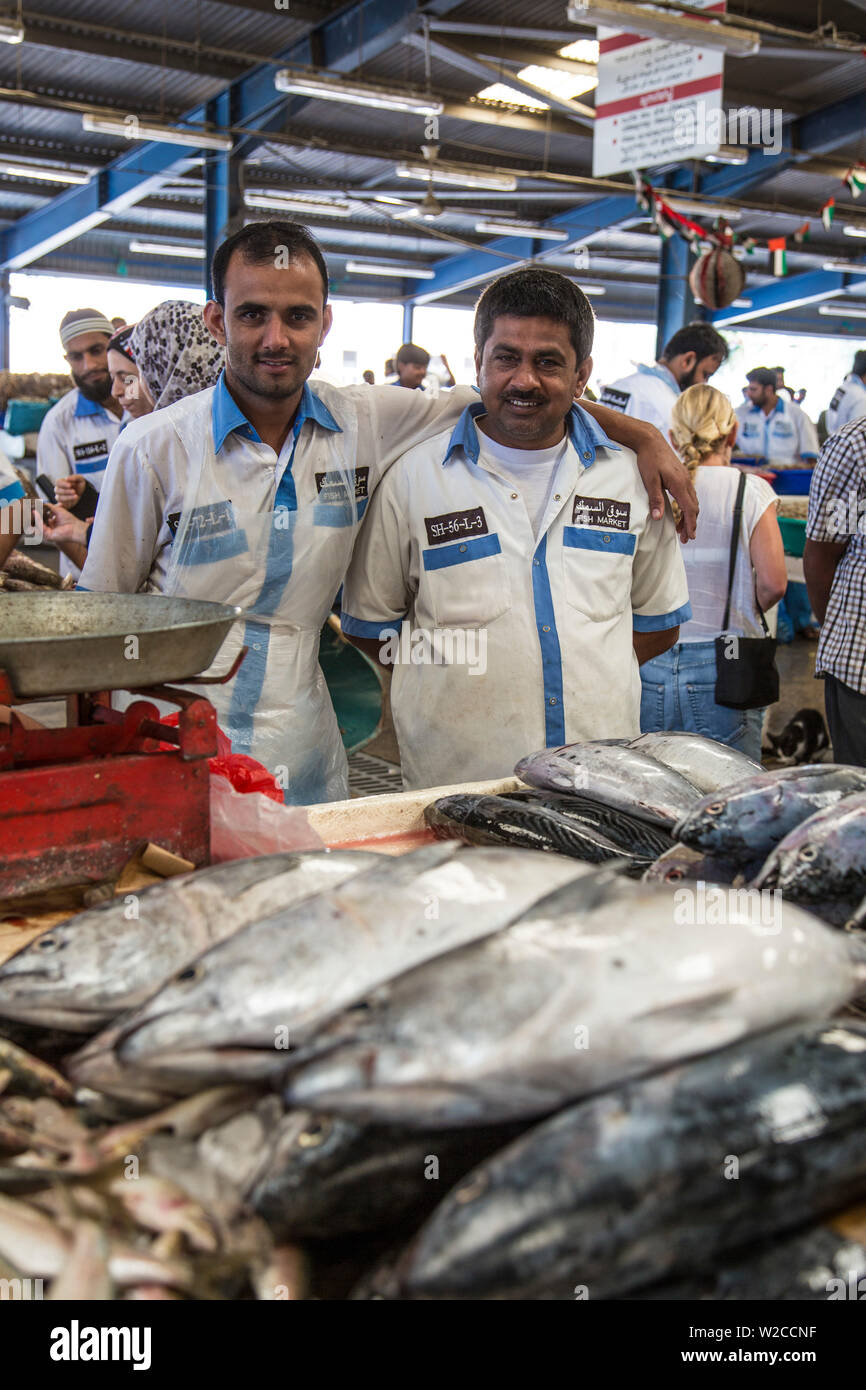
[(236, 1011), (90, 968), (680, 864), (822, 863), (746, 821), (576, 997), (614, 774), (707, 764)]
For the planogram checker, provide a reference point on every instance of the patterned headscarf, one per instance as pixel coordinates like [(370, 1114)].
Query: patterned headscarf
[(174, 352)]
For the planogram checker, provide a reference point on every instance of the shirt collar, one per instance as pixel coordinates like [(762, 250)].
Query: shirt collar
[(227, 416), (778, 408), (662, 372), (85, 407), (585, 435)]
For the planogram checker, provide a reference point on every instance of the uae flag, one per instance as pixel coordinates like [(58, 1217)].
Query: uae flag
[(780, 259), (856, 181), (828, 212)]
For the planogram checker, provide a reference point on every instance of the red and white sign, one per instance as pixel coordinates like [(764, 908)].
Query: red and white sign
[(656, 101)]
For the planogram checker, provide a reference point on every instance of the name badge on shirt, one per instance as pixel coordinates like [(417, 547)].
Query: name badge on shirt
[(837, 399), (333, 485), (606, 512), (92, 450), (617, 400), (454, 525)]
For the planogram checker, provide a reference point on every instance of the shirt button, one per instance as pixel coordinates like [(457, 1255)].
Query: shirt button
[(514, 496), (545, 629), (257, 646), (462, 548), (607, 540), (536, 562), (587, 454), (552, 700), (556, 497)]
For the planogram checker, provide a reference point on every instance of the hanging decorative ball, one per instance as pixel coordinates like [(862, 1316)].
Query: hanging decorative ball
[(717, 279)]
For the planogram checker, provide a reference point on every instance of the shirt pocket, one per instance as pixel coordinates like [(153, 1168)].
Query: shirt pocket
[(597, 570), (467, 584)]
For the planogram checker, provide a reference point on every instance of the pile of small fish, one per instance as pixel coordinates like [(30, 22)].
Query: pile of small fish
[(470, 1071)]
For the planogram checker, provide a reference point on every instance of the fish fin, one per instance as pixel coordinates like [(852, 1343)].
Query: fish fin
[(695, 1003)]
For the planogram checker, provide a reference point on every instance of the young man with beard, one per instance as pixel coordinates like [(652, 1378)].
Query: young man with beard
[(689, 359), (251, 492), (77, 433), (520, 546)]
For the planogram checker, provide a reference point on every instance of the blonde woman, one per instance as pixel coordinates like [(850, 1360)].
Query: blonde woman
[(678, 687)]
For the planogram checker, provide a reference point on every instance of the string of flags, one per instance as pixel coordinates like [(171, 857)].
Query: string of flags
[(668, 222)]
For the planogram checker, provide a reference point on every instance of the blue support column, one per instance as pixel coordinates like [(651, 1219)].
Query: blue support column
[(408, 317), (676, 304), (4, 321), (223, 195)]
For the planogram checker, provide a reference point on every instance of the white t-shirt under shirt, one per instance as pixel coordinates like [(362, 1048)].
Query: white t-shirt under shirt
[(707, 558), (532, 471)]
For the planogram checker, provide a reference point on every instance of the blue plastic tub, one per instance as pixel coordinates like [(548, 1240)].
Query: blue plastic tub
[(793, 482)]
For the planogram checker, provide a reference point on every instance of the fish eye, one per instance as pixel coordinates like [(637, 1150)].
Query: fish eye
[(314, 1134), (674, 875), (191, 973), (49, 943), (809, 852), (716, 808), (361, 1007)]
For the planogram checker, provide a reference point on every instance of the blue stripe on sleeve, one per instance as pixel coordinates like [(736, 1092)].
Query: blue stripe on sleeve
[(360, 627), (657, 622)]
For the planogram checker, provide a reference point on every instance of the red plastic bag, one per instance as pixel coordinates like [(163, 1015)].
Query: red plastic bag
[(243, 772)]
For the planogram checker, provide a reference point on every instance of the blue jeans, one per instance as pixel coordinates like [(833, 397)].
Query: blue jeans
[(678, 692)]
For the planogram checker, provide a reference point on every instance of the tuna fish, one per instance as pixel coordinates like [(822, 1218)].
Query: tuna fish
[(681, 864), (659, 1178), (599, 983), (91, 967), (822, 864), (708, 765), (747, 821), (237, 1010), (614, 774)]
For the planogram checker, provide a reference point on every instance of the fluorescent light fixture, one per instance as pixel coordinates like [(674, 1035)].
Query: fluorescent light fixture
[(163, 248), (522, 229), (131, 128), (35, 171), (10, 32), (846, 267), (409, 272), (309, 207), (742, 304), (581, 51), (685, 205), (728, 154), (656, 24), (328, 87), (510, 96), (467, 178), (558, 82), (838, 311), (383, 198), (851, 230), (592, 289)]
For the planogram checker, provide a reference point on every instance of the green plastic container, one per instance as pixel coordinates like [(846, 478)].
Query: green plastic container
[(793, 534), (25, 417), (355, 687)]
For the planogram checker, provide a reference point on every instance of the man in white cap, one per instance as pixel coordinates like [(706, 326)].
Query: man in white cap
[(78, 432)]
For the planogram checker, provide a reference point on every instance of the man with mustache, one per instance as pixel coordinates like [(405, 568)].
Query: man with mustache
[(509, 568), (251, 492), (77, 433)]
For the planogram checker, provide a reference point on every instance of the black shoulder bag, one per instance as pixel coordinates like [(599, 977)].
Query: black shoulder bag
[(746, 675)]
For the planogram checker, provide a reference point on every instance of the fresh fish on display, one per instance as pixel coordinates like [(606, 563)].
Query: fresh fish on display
[(502, 820), (614, 774), (658, 1178), (86, 970), (707, 764), (747, 821), (237, 1010), (602, 981), (631, 833), (822, 864), (680, 864)]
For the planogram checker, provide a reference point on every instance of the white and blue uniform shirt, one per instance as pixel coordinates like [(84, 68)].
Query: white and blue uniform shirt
[(786, 434), (195, 504), (76, 436), (648, 394), (531, 636), (11, 488), (848, 403)]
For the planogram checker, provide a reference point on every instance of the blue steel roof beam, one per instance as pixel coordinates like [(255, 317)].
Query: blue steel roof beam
[(368, 27), (789, 292)]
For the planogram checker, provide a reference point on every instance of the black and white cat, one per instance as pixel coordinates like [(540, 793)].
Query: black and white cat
[(804, 739)]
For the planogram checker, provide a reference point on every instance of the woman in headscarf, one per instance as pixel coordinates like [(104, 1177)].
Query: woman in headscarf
[(127, 386), (174, 352)]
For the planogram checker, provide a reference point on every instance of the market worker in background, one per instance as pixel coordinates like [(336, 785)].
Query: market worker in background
[(251, 493), (834, 562), (412, 364), (849, 399), (771, 426), (77, 433), (650, 393), (520, 550)]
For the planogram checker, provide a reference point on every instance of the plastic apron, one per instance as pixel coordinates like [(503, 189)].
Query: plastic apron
[(283, 562)]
